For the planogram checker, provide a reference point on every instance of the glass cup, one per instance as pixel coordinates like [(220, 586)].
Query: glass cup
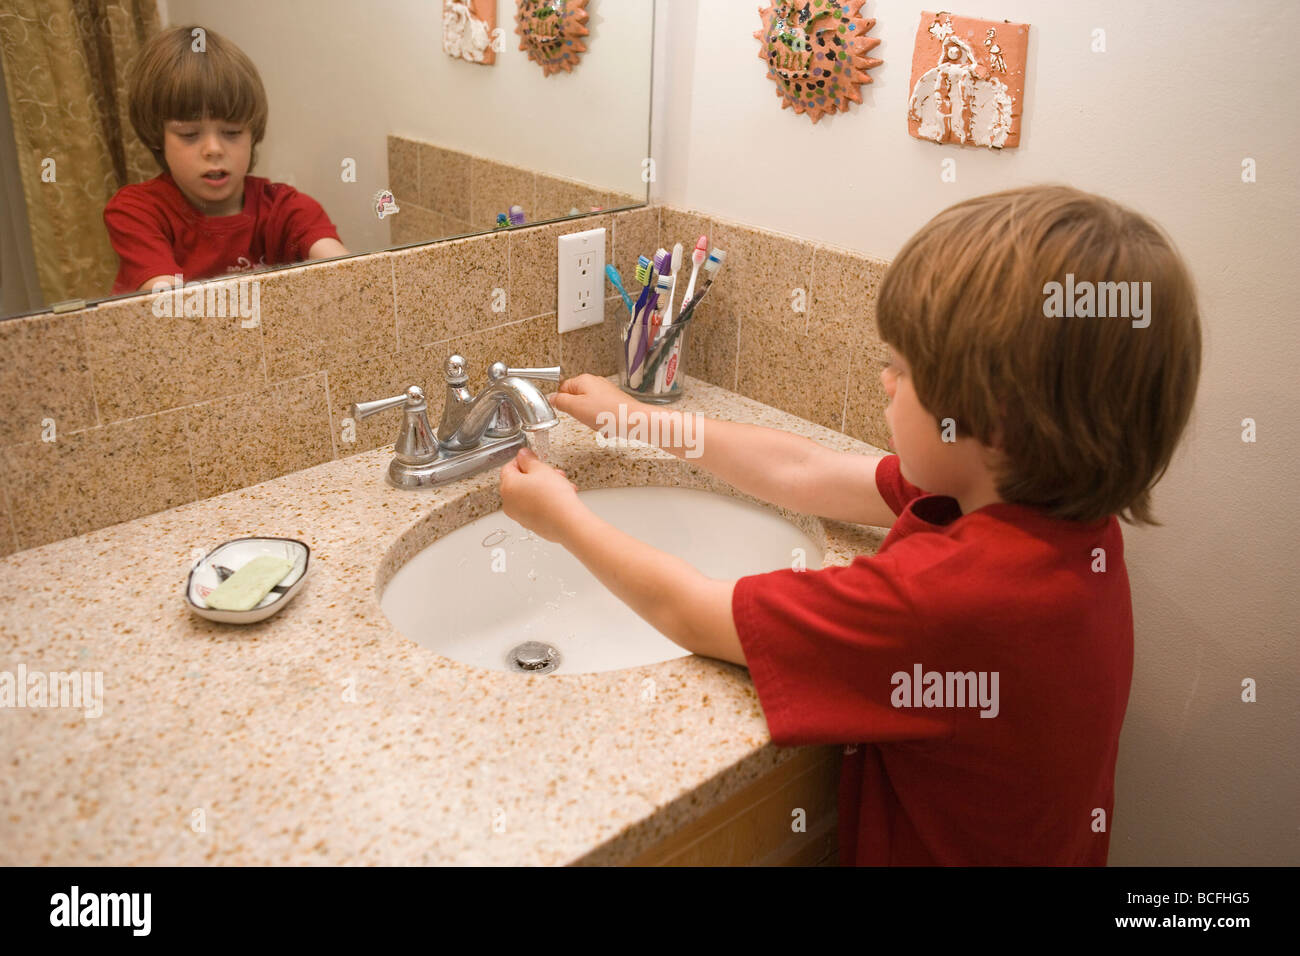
[(667, 350)]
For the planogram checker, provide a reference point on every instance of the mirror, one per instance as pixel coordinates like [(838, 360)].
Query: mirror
[(387, 123)]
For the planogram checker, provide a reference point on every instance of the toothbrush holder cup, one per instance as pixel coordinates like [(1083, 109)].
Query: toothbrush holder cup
[(651, 368)]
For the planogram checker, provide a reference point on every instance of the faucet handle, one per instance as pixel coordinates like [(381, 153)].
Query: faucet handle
[(500, 370), (455, 371), (505, 422), (361, 410), (416, 443)]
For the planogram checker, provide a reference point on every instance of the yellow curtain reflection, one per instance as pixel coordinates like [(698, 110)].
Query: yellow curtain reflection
[(65, 65)]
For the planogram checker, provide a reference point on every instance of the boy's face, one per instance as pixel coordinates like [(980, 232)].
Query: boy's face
[(951, 468), (209, 158)]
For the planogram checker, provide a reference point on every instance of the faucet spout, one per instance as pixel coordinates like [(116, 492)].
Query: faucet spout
[(534, 411)]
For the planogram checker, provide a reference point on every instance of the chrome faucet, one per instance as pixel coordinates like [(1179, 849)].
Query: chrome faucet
[(476, 432)]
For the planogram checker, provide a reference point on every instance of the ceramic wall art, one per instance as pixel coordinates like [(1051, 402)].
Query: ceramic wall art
[(550, 31), (968, 80), (816, 53), (469, 28)]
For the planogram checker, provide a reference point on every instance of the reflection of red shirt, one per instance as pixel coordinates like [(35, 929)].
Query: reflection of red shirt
[(1005, 588), (156, 232)]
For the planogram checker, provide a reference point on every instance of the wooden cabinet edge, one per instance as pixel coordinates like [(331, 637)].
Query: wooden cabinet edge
[(753, 828)]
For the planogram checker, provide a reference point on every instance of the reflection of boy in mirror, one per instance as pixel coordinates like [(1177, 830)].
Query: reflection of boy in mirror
[(197, 102)]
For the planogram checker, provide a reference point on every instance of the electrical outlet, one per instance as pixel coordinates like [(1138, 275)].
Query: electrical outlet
[(581, 266)]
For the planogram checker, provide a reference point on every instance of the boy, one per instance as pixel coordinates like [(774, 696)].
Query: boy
[(1005, 579), (197, 102)]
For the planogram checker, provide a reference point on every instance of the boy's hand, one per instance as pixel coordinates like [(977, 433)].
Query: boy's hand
[(585, 396), (540, 497)]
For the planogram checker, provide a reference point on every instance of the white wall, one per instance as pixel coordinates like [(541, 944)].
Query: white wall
[(341, 75), (1160, 121)]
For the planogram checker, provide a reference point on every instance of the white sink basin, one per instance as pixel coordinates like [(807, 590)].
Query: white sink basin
[(485, 588)]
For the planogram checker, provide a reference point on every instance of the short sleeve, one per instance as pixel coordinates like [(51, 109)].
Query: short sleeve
[(893, 487), (822, 648), (305, 223), (143, 248)]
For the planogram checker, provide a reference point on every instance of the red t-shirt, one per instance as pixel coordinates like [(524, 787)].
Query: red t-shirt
[(1004, 589), (156, 232)]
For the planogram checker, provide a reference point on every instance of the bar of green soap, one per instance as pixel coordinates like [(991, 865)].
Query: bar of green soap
[(244, 589)]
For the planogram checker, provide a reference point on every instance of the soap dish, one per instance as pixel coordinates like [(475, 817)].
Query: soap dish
[(233, 555)]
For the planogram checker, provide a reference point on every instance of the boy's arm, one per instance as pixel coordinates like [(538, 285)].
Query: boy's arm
[(141, 245), (327, 248), (787, 470), (157, 282), (692, 610)]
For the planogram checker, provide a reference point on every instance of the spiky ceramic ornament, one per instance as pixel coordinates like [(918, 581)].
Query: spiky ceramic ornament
[(549, 32), (816, 53)]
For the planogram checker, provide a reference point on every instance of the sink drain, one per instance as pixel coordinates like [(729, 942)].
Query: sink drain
[(533, 657)]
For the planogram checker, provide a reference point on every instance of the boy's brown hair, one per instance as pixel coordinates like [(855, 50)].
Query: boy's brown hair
[(1086, 411), (172, 80)]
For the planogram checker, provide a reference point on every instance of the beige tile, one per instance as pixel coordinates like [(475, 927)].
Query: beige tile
[(368, 380), (43, 374), (558, 197), (766, 276), (414, 223), (616, 199), (594, 349), (677, 225), (8, 539), (245, 439), (636, 233), (445, 181), (451, 288), (865, 416), (793, 372), (843, 300), (711, 350), (451, 226), (98, 477), (314, 316), (143, 363), (497, 187), (533, 266), (531, 343), (404, 170)]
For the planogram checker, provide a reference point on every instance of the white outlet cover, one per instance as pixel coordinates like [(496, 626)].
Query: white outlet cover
[(581, 269)]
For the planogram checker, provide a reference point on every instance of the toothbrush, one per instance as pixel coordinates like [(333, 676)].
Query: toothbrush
[(661, 263), (677, 267), (643, 272), (616, 281), (649, 317), (698, 256), (711, 267), (671, 344)]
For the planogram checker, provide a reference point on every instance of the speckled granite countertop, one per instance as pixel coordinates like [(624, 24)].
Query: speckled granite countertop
[(434, 762)]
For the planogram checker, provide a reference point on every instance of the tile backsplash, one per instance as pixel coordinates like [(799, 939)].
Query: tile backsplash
[(447, 192), (149, 413)]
